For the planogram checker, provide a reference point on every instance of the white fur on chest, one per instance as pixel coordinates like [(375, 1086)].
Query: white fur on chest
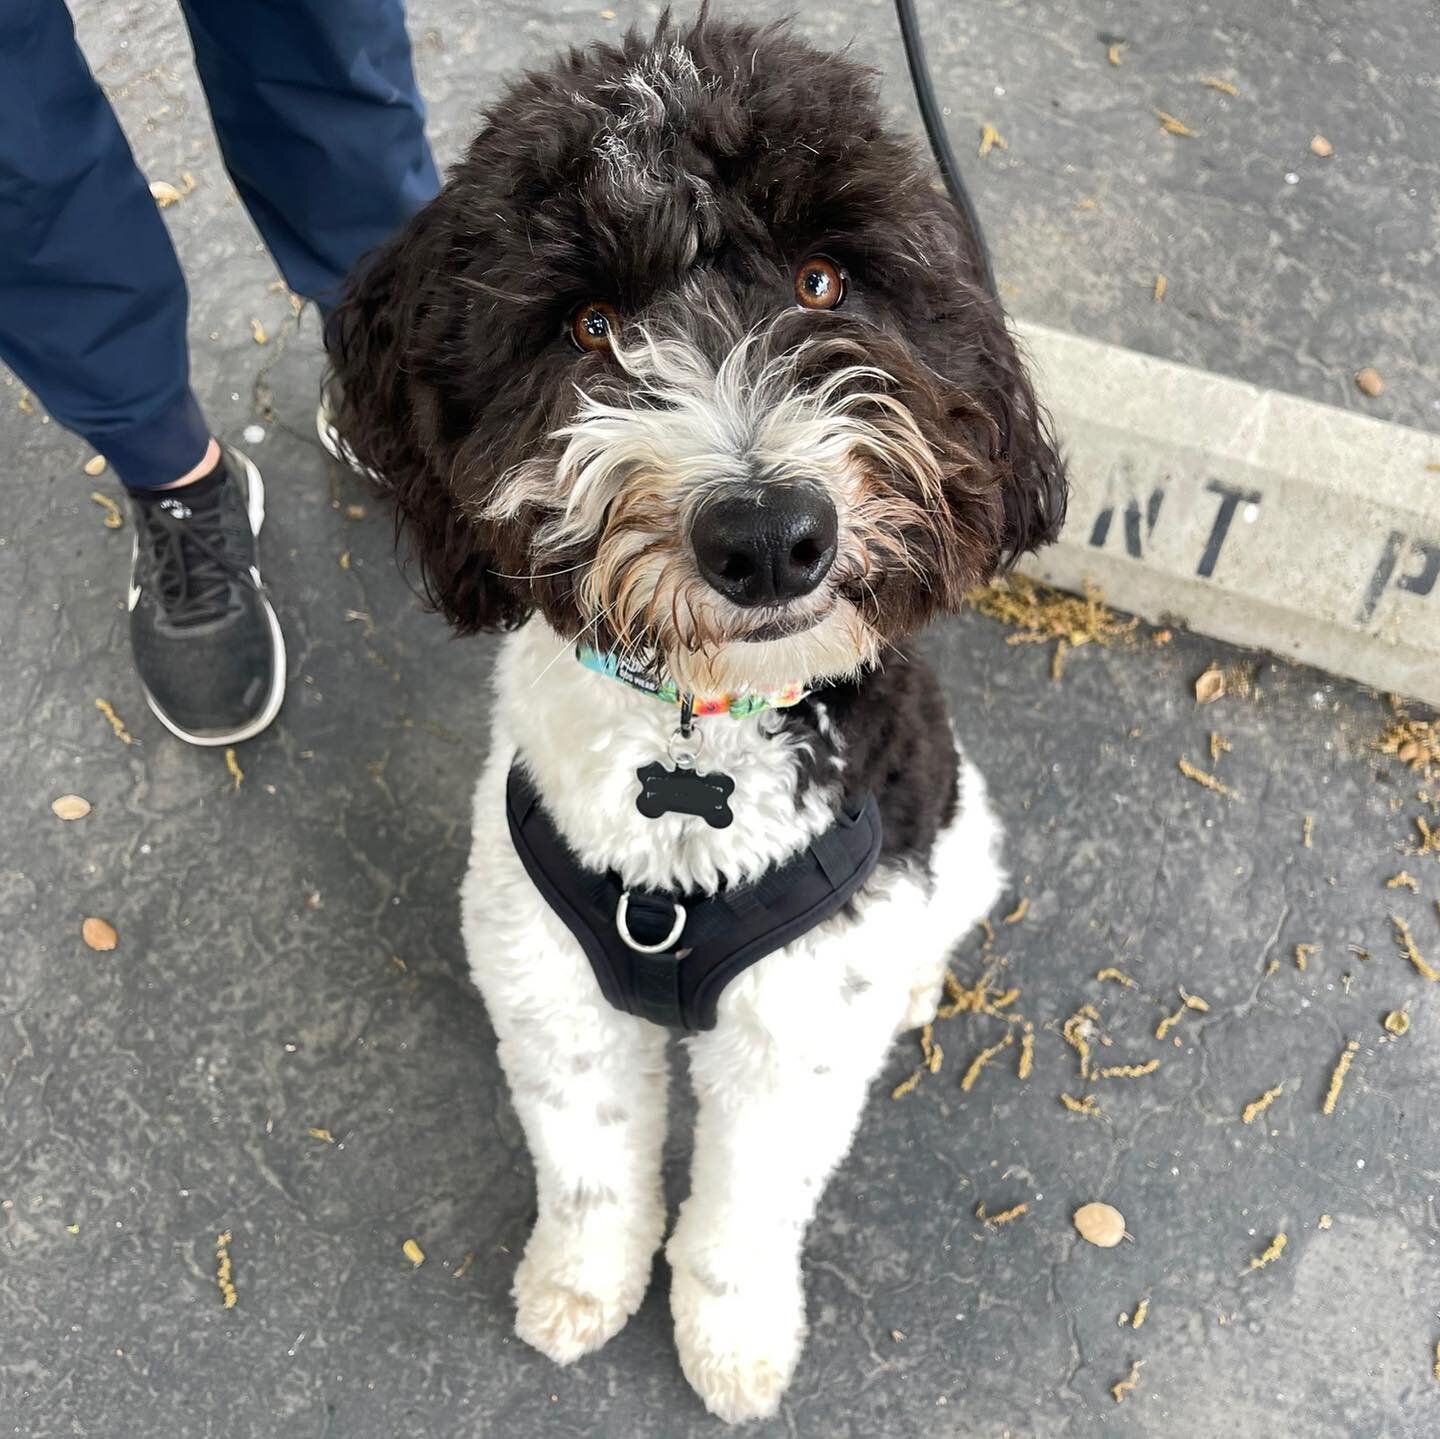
[(583, 736)]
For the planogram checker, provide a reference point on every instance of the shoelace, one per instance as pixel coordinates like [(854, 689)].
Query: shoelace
[(193, 570)]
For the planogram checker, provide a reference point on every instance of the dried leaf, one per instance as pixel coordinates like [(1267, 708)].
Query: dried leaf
[(95, 465), (1172, 126), (108, 710), (1100, 1224), (990, 139), (413, 1252), (114, 518), (99, 934), (1210, 686), (70, 806)]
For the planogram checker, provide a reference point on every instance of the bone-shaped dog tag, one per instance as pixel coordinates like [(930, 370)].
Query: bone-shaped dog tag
[(684, 791)]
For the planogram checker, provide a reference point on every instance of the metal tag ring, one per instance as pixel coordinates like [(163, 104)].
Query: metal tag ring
[(684, 748), (622, 927)]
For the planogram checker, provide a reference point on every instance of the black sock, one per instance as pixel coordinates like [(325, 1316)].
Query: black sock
[(197, 494)]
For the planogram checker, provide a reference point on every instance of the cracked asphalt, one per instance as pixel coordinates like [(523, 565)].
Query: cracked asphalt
[(289, 960)]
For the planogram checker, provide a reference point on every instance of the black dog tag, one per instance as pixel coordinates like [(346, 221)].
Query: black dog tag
[(684, 791)]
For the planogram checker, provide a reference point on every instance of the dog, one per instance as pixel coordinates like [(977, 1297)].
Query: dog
[(689, 381)]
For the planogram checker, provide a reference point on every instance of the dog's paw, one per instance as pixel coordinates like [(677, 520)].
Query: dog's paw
[(738, 1348), (924, 1001), (562, 1323)]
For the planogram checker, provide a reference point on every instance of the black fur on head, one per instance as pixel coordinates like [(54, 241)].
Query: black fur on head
[(681, 180)]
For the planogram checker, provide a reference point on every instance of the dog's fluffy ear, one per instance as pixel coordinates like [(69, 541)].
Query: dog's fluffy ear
[(1033, 486), (397, 418)]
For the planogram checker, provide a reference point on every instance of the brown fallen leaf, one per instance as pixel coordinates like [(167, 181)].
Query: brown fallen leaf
[(70, 806), (1210, 686), (990, 139), (1320, 146), (1100, 1224), (1171, 126), (95, 465), (114, 518), (1369, 382), (99, 934)]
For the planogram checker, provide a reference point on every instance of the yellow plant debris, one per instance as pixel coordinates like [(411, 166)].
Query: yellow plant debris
[(1258, 1107), (1004, 1216), (257, 332), (1193, 1001), (108, 710), (1128, 1071), (990, 139), (1406, 941), (463, 1268), (1142, 1312), (1112, 54), (1304, 953), (1039, 614), (1429, 838), (1018, 913), (1403, 880), (1397, 1022), (1027, 1051), (1307, 830), (1218, 745), (70, 807), (1223, 86), (1210, 685), (1169, 1022), (413, 1252), (1413, 742), (223, 1281), (114, 519), (1270, 1253), (1125, 1386), (1436, 1370), (232, 768), (1337, 1077), (323, 1135), (906, 1085), (1117, 976), (1157, 292), (1324, 1222), (931, 1055), (1002, 1000), (1084, 1105), (1208, 781), (1171, 126), (1073, 1033), (967, 1083)]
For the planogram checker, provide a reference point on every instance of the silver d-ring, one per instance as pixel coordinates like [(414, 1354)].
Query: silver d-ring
[(623, 928)]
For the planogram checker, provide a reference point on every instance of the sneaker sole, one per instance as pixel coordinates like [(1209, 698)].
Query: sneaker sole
[(255, 508)]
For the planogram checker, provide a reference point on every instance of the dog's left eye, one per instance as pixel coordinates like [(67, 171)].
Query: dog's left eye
[(593, 325), (819, 284)]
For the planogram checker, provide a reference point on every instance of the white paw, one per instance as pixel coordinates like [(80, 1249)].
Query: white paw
[(738, 1348), (562, 1323), (924, 1001)]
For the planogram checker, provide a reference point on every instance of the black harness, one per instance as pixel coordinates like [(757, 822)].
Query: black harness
[(665, 956)]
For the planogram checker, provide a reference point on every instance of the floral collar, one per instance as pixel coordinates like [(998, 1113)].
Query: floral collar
[(737, 706)]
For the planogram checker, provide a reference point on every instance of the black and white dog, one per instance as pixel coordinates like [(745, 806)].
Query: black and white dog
[(688, 378)]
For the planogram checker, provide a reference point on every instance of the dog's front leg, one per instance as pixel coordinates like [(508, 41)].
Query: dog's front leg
[(589, 1086), (781, 1083)]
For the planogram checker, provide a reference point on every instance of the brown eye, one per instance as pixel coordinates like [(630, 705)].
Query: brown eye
[(592, 325), (819, 284)]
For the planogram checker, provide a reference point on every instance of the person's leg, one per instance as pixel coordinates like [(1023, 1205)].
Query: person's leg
[(92, 301), (320, 124)]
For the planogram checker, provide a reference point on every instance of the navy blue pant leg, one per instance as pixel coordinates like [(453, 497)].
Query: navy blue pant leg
[(92, 301), (321, 125)]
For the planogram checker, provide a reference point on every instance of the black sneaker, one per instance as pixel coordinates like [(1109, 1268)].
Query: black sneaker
[(206, 640)]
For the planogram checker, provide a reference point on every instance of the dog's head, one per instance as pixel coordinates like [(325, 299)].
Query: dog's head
[(690, 355)]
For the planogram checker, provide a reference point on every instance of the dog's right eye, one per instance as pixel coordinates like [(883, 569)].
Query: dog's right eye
[(592, 325)]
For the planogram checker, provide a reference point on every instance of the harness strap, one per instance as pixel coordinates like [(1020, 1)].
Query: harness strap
[(667, 957)]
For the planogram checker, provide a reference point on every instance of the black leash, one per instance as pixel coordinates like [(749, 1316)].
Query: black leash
[(939, 140)]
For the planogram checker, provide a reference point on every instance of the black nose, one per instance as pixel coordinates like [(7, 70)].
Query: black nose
[(767, 544)]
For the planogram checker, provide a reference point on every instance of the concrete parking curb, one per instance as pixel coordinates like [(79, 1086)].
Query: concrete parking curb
[(1247, 514)]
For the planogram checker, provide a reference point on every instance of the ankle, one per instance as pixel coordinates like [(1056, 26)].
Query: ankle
[(208, 462)]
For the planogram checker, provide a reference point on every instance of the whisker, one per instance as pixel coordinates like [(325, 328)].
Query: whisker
[(570, 645)]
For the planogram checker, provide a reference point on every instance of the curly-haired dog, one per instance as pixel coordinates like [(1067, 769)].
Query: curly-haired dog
[(688, 377)]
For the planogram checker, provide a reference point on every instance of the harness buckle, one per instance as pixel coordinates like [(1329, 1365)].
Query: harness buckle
[(622, 927)]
